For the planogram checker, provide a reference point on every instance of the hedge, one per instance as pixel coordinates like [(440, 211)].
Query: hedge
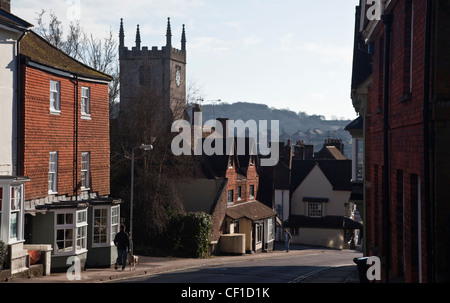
[(189, 234)]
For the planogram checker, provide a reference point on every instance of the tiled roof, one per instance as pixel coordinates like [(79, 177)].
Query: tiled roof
[(331, 153), (253, 210), (38, 50)]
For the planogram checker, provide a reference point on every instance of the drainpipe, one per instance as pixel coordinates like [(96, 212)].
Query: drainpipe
[(18, 103), (428, 157), (75, 137), (387, 20)]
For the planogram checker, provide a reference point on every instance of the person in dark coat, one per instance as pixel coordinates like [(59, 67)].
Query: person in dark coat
[(121, 240)]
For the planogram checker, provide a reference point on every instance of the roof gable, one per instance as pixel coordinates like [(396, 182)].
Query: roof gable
[(337, 172)]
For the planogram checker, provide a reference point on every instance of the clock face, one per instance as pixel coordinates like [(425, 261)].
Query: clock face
[(178, 78)]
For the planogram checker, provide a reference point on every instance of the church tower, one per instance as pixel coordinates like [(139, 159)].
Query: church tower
[(155, 76)]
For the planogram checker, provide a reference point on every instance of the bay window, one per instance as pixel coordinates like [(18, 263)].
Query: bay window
[(11, 213), (105, 225), (70, 231)]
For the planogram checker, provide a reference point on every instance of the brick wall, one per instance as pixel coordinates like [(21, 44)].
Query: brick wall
[(405, 139), (43, 132)]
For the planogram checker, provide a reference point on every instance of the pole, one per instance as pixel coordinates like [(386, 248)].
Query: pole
[(131, 201)]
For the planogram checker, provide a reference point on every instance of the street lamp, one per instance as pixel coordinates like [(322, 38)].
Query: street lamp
[(144, 147)]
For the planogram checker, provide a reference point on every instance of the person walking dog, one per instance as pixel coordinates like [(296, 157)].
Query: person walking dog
[(121, 240)]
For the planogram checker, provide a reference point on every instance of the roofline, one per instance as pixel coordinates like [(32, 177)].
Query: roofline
[(79, 62), (59, 72), (25, 24)]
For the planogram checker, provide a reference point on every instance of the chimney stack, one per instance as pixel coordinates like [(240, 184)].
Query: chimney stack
[(5, 5)]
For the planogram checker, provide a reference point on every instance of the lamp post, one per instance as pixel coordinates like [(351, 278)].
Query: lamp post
[(144, 147)]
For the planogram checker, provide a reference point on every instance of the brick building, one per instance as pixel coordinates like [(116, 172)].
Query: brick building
[(401, 88), (64, 150)]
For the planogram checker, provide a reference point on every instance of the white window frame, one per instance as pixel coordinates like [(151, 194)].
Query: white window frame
[(11, 201), (77, 228), (111, 225), (85, 102), (55, 97), (53, 174), (115, 222), (315, 209), (259, 235), (16, 209), (101, 225), (85, 170)]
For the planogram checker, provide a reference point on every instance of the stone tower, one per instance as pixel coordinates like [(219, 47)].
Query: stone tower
[(154, 76)]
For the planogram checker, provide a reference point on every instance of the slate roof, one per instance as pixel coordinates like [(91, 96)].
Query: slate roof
[(253, 210), (38, 50)]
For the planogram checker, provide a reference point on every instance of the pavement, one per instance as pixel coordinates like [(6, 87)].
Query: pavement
[(158, 265)]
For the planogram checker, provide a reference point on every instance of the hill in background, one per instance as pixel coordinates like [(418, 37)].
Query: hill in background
[(312, 129)]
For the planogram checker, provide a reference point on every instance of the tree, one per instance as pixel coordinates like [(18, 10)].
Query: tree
[(98, 53)]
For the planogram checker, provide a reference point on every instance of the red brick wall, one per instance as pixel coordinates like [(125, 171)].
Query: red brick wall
[(405, 142), (44, 132), (235, 180)]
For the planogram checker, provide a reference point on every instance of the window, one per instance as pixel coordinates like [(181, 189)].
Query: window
[(230, 195), (252, 192), (55, 97), (239, 193), (85, 184), (85, 101), (270, 229), (15, 212), (53, 173), (100, 226), (70, 224), (105, 225), (230, 162), (359, 159), (115, 215), (258, 233), (315, 209)]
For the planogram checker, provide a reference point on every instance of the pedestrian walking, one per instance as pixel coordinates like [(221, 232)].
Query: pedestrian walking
[(287, 239), (121, 240)]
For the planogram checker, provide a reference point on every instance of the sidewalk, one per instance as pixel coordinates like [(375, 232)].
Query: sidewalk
[(157, 265)]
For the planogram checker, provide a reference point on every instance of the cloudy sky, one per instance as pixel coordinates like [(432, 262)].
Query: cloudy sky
[(294, 54)]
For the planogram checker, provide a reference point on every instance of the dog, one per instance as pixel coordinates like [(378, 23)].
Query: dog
[(132, 261)]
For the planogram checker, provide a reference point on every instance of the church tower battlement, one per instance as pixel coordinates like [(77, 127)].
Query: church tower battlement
[(156, 74)]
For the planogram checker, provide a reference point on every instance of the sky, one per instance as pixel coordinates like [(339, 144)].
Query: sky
[(288, 54)]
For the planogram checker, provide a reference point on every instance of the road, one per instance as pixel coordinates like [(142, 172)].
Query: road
[(287, 269)]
